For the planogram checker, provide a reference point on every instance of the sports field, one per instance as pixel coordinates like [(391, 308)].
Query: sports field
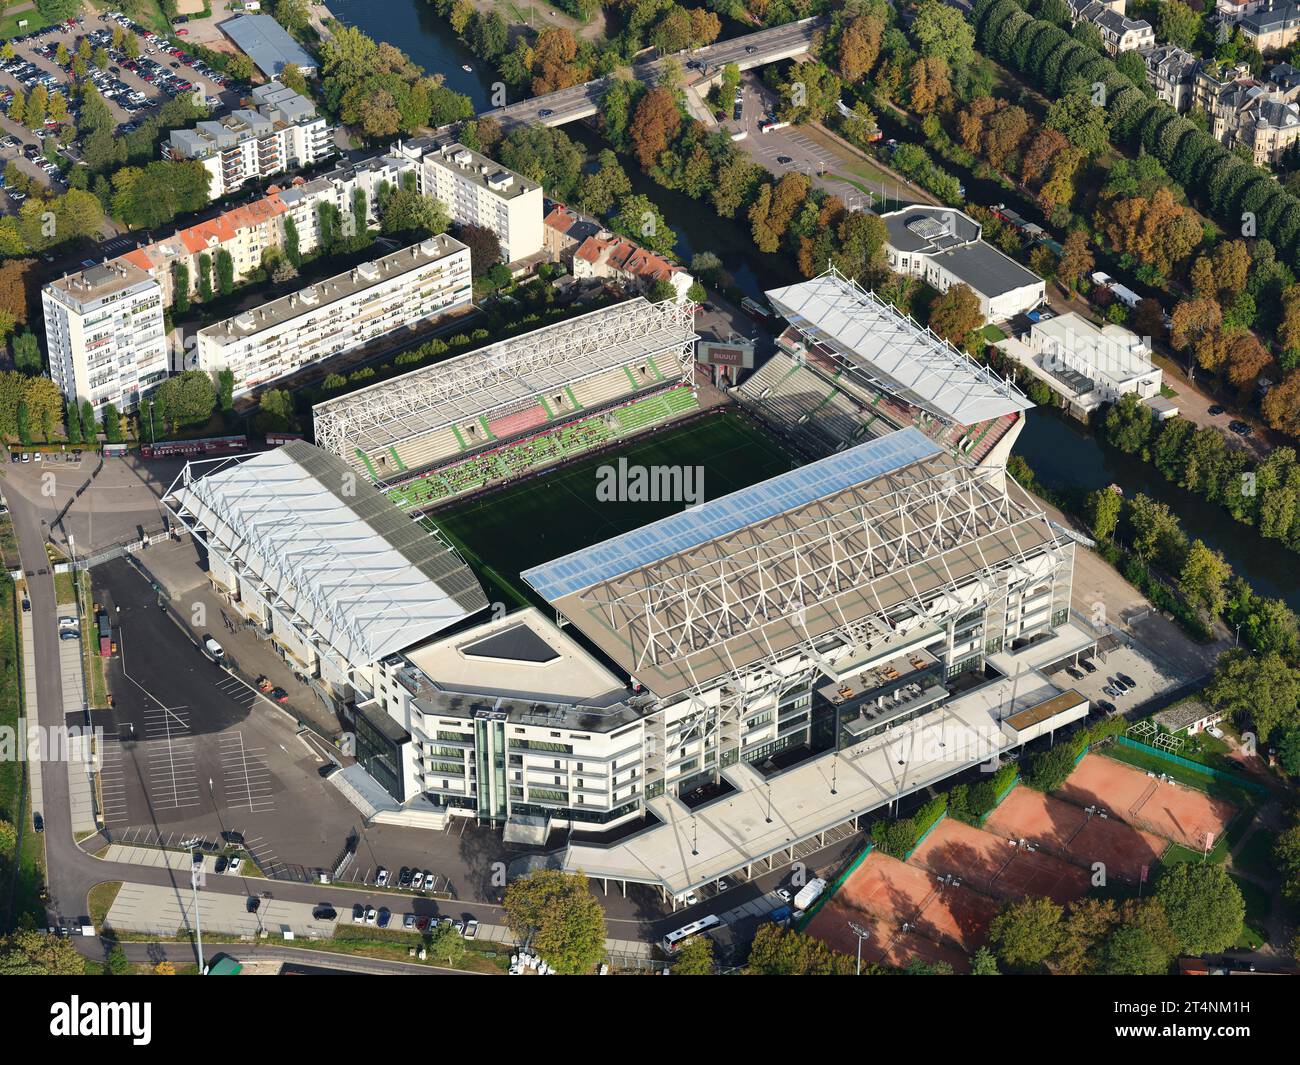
[(1068, 830), (993, 865), (504, 532), (1166, 808)]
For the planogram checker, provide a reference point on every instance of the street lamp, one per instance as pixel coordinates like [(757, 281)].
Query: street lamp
[(861, 933), (190, 845)]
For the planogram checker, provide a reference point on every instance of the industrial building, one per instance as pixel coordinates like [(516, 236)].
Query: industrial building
[(268, 45)]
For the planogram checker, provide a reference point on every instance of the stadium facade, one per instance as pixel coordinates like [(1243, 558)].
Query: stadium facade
[(790, 645)]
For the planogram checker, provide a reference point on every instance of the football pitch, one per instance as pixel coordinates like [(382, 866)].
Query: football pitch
[(505, 532)]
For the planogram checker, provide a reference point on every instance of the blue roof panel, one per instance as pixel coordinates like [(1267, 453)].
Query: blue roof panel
[(728, 514)]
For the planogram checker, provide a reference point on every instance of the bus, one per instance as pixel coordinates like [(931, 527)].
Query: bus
[(206, 446), (674, 941)]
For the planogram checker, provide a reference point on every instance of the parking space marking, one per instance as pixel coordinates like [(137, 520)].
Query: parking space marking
[(173, 779), (112, 784), (247, 780)]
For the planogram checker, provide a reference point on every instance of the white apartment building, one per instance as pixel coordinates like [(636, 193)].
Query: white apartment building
[(480, 192), (282, 131), (105, 335), (346, 311)]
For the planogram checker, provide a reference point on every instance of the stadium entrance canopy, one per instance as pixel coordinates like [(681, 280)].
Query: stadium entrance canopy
[(326, 549), (832, 547), (892, 352)]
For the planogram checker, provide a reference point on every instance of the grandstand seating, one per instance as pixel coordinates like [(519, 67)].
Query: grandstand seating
[(560, 443), (520, 421)]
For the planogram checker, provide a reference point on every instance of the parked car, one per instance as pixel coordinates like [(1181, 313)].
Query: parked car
[(1107, 707), (66, 622), (1216, 408), (235, 865), (38, 822), (784, 895), (69, 634), (404, 877), (408, 922), (381, 877), (324, 912), (1126, 680), (417, 880), (213, 648), (1073, 673), (384, 916), (358, 914), (279, 695), (1111, 691), (1118, 685), (371, 916), (253, 903), (1088, 667), (471, 928)]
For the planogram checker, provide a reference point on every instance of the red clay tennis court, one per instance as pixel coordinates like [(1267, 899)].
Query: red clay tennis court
[(902, 893), (886, 944), (1065, 829), (1175, 811), (992, 865)]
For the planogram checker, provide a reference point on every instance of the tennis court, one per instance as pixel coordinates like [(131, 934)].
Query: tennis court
[(1070, 831), (886, 942), (902, 893), (1172, 810), (993, 865), (558, 512)]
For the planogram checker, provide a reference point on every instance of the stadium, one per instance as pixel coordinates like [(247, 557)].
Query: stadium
[(808, 643), (520, 405), (850, 367)]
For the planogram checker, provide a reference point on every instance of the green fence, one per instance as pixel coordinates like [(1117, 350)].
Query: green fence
[(917, 847), (1197, 767), (999, 800), (830, 891)]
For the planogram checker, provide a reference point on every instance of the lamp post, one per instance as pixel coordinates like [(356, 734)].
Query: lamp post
[(190, 845), (861, 933)]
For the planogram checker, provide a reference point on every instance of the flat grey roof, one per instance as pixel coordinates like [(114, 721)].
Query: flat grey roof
[(986, 269), (267, 44)]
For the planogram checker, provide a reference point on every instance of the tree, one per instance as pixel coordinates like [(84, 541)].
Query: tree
[(1204, 907), (956, 314), (276, 412), (1076, 260), (1258, 689), (205, 277), (942, 31), (1085, 125), (409, 213), (1203, 578), (1102, 509), (546, 156), (484, 248), (1026, 933), (180, 287), (27, 353), (606, 187), (112, 424), (655, 125), (188, 397), (695, 958), (984, 963), (24, 424), (859, 47), (778, 951), (116, 962), (225, 272), (642, 220), (226, 389), (30, 953), (292, 250), (446, 942), (1178, 24), (556, 914)]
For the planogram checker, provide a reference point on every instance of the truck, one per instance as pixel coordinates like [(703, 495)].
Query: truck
[(809, 893), (1125, 295)]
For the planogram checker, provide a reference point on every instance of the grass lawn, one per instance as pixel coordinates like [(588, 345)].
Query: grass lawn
[(64, 591), (993, 334), (92, 663), (1256, 856), (100, 901), (9, 23), (1258, 907), (1219, 789), (561, 511)]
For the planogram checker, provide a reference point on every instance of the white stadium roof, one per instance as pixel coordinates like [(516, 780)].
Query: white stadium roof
[(511, 371), (361, 575), (870, 337)]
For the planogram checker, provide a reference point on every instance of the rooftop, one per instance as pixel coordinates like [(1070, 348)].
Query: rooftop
[(362, 576), (871, 337), (728, 584), (1108, 352), (267, 44), (331, 290), (482, 171), (1179, 716), (97, 282)]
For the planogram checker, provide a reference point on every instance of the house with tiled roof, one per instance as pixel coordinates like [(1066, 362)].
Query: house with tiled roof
[(592, 252)]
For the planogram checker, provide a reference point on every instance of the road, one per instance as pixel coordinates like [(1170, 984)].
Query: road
[(254, 954), (582, 101)]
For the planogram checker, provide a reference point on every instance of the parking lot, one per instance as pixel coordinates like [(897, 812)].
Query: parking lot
[(1128, 662), (134, 80)]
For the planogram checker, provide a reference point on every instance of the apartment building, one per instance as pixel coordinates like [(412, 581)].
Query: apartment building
[(1271, 28), (373, 300), (105, 335), (480, 192), (1233, 11), (1171, 71), (280, 132)]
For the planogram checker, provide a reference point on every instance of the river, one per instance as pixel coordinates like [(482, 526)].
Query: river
[(1064, 454)]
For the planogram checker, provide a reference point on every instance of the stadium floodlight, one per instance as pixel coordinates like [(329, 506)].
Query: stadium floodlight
[(861, 933)]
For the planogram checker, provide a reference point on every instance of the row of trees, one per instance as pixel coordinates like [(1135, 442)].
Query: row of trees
[(1264, 493), (1195, 909)]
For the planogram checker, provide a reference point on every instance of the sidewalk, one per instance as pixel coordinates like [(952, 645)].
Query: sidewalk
[(30, 711), (81, 760)]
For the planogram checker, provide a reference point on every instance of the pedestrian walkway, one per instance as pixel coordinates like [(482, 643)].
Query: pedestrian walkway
[(167, 911), (157, 858), (30, 711), (627, 948)]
